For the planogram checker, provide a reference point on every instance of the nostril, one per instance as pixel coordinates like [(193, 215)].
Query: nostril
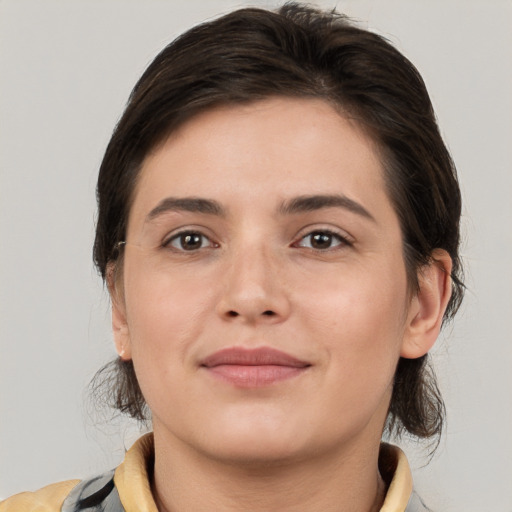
[(233, 314)]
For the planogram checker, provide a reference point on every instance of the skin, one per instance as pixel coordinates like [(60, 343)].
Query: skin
[(256, 279)]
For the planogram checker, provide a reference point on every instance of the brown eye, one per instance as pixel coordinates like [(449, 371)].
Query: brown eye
[(322, 240), (189, 241)]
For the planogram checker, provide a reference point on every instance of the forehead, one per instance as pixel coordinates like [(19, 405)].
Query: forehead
[(279, 146)]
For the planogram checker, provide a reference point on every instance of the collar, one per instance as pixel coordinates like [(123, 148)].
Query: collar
[(396, 472), (133, 483)]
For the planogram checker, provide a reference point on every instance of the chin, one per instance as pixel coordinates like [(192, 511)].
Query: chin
[(256, 443), (261, 452)]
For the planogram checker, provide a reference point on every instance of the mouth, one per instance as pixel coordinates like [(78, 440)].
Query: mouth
[(253, 368)]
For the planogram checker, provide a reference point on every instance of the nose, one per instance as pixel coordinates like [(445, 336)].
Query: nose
[(254, 289)]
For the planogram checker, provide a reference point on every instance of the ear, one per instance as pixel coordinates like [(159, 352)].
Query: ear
[(119, 324), (427, 307)]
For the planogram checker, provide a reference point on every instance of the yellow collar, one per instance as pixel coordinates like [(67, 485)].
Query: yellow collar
[(133, 483)]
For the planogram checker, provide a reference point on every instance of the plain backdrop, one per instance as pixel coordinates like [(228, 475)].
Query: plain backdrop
[(66, 69)]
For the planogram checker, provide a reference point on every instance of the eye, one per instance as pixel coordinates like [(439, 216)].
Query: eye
[(322, 240), (189, 241)]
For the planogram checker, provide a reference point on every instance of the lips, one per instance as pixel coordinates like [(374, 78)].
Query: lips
[(253, 367)]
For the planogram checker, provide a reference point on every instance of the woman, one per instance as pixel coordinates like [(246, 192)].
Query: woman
[(278, 228)]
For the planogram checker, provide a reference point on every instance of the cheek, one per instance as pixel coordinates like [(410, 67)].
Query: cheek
[(165, 314), (358, 317), (165, 318)]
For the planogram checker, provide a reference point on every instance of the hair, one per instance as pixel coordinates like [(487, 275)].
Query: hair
[(300, 52)]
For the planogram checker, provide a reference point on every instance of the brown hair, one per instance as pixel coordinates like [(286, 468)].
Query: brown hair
[(297, 51)]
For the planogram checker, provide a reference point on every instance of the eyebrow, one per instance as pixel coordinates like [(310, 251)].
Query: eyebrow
[(303, 204), (188, 204), (300, 204)]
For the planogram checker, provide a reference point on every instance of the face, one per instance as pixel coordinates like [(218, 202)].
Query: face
[(263, 298)]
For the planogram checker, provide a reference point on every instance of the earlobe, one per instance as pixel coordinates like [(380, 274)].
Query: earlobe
[(121, 332), (427, 307), (119, 323)]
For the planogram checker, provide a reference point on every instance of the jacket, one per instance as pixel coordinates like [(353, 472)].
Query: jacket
[(127, 488)]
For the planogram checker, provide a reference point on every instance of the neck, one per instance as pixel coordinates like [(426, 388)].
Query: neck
[(347, 479)]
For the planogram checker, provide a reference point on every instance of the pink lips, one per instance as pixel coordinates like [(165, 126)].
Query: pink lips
[(252, 368)]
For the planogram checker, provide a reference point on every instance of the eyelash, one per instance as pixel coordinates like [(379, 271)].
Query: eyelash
[(343, 241), (180, 237)]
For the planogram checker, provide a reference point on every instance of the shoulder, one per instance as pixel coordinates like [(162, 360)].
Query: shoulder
[(47, 499), (97, 493)]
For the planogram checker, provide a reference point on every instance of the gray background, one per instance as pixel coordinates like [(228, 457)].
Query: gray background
[(66, 69)]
